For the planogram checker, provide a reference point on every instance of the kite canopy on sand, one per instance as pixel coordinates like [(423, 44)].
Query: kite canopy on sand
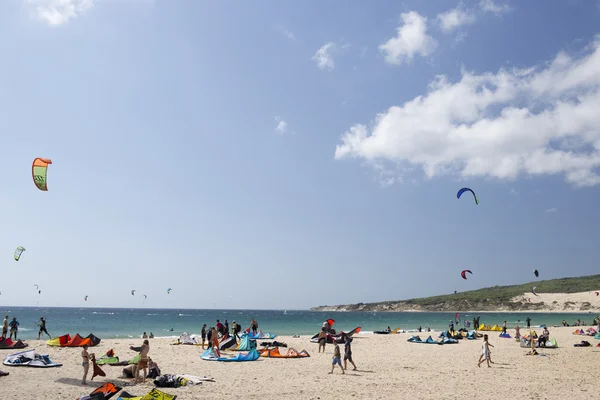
[(18, 252), (461, 191), (39, 170)]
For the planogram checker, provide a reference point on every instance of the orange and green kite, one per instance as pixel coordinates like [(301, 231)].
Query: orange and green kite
[(39, 170)]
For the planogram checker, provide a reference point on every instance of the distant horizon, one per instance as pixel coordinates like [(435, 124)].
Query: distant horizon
[(278, 156)]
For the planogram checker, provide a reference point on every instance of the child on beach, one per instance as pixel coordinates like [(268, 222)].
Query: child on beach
[(485, 352), (85, 363), (322, 339), (337, 358)]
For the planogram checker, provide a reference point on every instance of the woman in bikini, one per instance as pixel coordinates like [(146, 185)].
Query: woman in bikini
[(85, 363), (143, 363)]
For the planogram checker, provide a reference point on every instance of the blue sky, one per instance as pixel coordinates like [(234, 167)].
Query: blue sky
[(281, 155)]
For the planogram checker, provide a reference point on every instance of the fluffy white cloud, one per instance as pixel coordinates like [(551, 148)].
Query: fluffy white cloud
[(282, 126), (411, 39), (490, 6), (324, 58), (455, 18), (58, 12), (542, 120), (551, 210)]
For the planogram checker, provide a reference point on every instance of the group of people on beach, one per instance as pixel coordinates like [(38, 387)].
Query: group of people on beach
[(14, 328)]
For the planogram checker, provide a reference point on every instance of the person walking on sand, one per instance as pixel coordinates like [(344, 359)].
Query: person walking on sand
[(85, 363), (14, 327), (322, 339), (348, 354), (43, 328), (5, 326), (485, 352), (337, 358)]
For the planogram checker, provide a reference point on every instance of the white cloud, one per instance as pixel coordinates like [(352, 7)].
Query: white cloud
[(58, 12), (536, 121), (514, 191), (289, 34), (551, 210), (490, 6), (455, 18), (282, 126), (324, 58), (411, 39)]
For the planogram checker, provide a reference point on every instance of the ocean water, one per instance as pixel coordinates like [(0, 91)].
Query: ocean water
[(109, 323)]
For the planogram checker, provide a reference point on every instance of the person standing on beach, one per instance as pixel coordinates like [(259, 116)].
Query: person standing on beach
[(322, 339), (337, 358), (143, 363), (85, 363), (209, 337), (485, 352), (43, 328), (203, 333), (504, 327), (475, 324), (528, 320), (348, 354), (14, 327), (226, 327), (254, 326), (5, 326)]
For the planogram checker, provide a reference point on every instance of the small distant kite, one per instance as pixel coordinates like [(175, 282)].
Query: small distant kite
[(145, 297), (133, 292), (537, 274), (464, 273), (39, 292), (461, 191), (37, 286), (18, 252), (85, 298), (39, 171), (533, 290), (169, 290)]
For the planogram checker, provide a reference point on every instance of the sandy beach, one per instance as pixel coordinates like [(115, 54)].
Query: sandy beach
[(388, 366)]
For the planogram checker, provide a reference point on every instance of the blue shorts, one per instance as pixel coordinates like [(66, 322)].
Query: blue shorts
[(336, 360)]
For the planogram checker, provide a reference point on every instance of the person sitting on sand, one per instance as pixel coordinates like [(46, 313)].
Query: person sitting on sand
[(143, 363), (130, 371), (85, 363), (144, 336), (544, 338), (151, 336), (322, 339), (337, 358), (485, 352), (14, 327), (388, 329)]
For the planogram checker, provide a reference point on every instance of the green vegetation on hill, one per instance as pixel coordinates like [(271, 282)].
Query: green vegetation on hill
[(498, 294), (489, 298)]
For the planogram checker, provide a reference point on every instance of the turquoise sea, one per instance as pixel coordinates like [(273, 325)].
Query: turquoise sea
[(127, 322)]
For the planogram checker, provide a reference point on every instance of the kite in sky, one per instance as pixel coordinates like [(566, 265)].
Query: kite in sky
[(461, 191), (85, 298), (39, 170), (169, 290), (537, 274), (18, 252), (133, 292), (464, 273)]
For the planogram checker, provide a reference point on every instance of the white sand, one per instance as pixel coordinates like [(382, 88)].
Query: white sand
[(564, 302), (388, 366)]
